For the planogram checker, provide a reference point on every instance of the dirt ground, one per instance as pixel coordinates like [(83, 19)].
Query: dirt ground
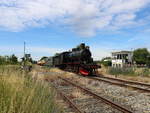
[(44, 73)]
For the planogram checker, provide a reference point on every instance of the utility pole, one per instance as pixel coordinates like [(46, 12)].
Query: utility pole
[(24, 52)]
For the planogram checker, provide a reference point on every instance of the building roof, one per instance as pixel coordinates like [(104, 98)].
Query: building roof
[(122, 52)]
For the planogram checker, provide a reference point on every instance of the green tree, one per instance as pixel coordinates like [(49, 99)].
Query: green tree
[(13, 59), (148, 60), (43, 58), (7, 59), (106, 61), (2, 60), (140, 55)]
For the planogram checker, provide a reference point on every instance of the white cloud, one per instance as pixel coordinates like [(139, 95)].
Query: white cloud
[(84, 17), (36, 52)]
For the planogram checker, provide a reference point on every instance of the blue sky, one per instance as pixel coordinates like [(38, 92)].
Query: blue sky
[(52, 26)]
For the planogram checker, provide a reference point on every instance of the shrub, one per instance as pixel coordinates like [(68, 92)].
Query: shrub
[(107, 63), (123, 71), (145, 72)]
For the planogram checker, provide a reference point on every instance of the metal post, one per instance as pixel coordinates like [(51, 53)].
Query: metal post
[(24, 52)]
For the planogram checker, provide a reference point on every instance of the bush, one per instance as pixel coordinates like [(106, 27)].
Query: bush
[(107, 63), (146, 72), (123, 71), (21, 94)]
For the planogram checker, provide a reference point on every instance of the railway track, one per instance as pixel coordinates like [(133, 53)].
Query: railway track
[(92, 97), (127, 81), (124, 83), (144, 87), (68, 100)]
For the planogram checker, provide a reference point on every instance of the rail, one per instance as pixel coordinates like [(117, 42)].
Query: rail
[(77, 109), (126, 81), (123, 84), (113, 104)]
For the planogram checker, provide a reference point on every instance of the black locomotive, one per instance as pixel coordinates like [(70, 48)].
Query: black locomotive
[(78, 60)]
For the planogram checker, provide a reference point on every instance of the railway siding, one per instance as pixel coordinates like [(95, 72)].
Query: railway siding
[(97, 104), (126, 81), (134, 99), (144, 88)]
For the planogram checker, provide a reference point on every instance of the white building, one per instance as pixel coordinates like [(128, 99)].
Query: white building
[(122, 59)]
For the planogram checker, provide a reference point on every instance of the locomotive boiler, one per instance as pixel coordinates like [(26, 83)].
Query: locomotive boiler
[(82, 55)]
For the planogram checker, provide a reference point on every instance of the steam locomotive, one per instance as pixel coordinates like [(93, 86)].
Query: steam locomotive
[(78, 60)]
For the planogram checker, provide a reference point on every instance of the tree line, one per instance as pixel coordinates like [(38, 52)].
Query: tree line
[(5, 60)]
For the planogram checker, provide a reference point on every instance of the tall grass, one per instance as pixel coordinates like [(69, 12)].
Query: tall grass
[(20, 94), (143, 72), (130, 71), (121, 71)]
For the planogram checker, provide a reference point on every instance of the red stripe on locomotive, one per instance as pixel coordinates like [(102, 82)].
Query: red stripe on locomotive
[(84, 72)]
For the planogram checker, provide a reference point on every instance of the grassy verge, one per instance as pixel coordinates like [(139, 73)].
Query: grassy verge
[(20, 94), (121, 71), (145, 72)]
